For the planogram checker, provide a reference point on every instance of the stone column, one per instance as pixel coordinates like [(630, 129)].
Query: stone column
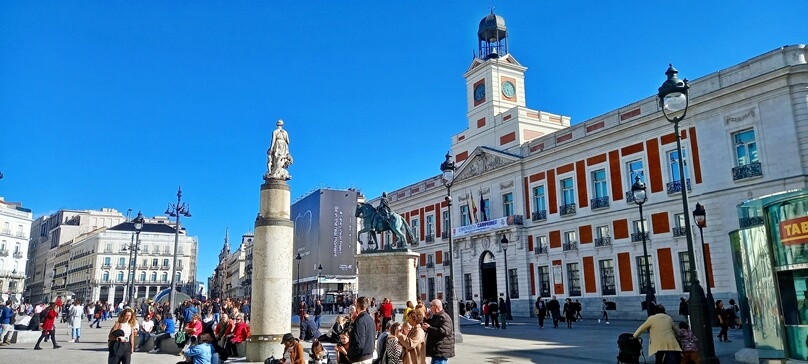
[(272, 273)]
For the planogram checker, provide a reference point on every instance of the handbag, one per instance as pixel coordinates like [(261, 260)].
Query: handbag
[(179, 338)]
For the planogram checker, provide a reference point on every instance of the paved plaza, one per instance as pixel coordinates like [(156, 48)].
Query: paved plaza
[(521, 342)]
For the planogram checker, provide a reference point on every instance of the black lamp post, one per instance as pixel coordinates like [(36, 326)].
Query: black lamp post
[(640, 196), (176, 210), (504, 244), (447, 168), (298, 258), (319, 274), (133, 249), (700, 215), (674, 100), (88, 289)]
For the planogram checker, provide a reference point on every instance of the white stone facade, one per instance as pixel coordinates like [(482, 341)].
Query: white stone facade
[(745, 135), (15, 225)]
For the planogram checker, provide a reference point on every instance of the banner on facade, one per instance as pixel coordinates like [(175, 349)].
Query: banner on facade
[(794, 231), (480, 227)]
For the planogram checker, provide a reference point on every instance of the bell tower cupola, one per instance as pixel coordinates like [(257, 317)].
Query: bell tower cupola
[(492, 37)]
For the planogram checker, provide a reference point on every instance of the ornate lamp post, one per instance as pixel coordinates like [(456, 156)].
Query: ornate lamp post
[(180, 209), (674, 100), (298, 258), (133, 249), (319, 274), (700, 215), (504, 244), (640, 197), (89, 287), (447, 169)]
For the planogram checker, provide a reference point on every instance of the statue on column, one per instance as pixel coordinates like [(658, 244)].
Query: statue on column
[(278, 156)]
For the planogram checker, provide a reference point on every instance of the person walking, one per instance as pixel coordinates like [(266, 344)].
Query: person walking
[(663, 334), (362, 334), (541, 312), (578, 308), (75, 313), (493, 311), (6, 323), (412, 338), (97, 313), (569, 312), (486, 314), (386, 311), (121, 336), (683, 308), (723, 316), (48, 326), (503, 313), (318, 311), (604, 313), (555, 310), (439, 335), (689, 343)]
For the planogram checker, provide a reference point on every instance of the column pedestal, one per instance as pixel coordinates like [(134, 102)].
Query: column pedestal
[(271, 294), (388, 274)]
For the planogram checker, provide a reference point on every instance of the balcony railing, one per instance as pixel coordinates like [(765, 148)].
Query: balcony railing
[(447, 262), (747, 171), (430, 265), (165, 267), (179, 266), (538, 215), (567, 209), (429, 238), (20, 234), (444, 235), (154, 267), (106, 266), (599, 202), (629, 197), (676, 186), (635, 237), (17, 255), (3, 253), (679, 231), (120, 266), (540, 249), (5, 232), (746, 222), (143, 266), (516, 220), (569, 246), (604, 241)]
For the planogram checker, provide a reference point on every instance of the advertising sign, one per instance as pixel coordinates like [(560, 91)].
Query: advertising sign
[(480, 227), (325, 232), (794, 231)]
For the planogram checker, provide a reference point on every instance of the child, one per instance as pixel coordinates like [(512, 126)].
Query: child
[(689, 343)]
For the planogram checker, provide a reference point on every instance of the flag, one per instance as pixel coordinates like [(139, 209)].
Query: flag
[(473, 208), (482, 207), (468, 208)]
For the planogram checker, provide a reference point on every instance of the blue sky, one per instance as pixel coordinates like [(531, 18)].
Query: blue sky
[(116, 103)]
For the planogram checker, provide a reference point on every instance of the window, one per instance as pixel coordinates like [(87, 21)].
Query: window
[(684, 268), (679, 225), (178, 277), (542, 244), (599, 188), (156, 249), (153, 277), (107, 261), (430, 225), (486, 209), (567, 192), (570, 240), (635, 169), (603, 231), (673, 165), (645, 264), (142, 276), (17, 248), (507, 204), (464, 215), (120, 276), (544, 281), (607, 276), (121, 262), (467, 286), (539, 203), (414, 227), (604, 236), (164, 277), (105, 276), (445, 219), (513, 276), (430, 284), (145, 249), (574, 279), (154, 263), (640, 230), (446, 258), (745, 147), (165, 263), (447, 280)]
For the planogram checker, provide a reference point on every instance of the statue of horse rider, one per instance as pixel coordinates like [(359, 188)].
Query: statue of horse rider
[(384, 209)]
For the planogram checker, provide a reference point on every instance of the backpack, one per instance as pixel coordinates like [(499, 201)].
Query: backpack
[(179, 338)]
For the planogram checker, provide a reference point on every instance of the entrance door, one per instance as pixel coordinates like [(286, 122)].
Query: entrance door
[(488, 276)]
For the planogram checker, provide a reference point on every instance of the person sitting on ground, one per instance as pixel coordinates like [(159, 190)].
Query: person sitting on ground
[(202, 352), (292, 350), (144, 331), (308, 328), (318, 354), (342, 348), (169, 328), (336, 330)]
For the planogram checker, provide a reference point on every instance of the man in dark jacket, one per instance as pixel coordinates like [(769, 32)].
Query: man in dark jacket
[(439, 335), (363, 334), (555, 310)]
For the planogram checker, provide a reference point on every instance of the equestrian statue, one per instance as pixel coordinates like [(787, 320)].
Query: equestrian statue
[(381, 219)]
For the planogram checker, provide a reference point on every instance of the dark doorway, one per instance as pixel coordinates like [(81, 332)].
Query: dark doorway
[(488, 276)]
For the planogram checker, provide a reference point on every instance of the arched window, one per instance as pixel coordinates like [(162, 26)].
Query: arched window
[(142, 276), (165, 277), (178, 276), (153, 277), (105, 277), (120, 276), (107, 261)]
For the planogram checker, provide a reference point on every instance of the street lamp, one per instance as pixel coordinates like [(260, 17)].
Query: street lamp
[(504, 244), (674, 100), (298, 258), (700, 215), (88, 289), (640, 196), (319, 274), (447, 169), (133, 249), (180, 209)]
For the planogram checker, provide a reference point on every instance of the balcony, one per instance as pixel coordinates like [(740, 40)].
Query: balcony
[(106, 266), (745, 222), (516, 220), (18, 255), (3, 253), (444, 235), (429, 238), (154, 267), (569, 246), (679, 231), (599, 202), (143, 266), (165, 267), (539, 215), (540, 249), (20, 234), (604, 241), (629, 197), (120, 266), (107, 250), (179, 267), (676, 186), (166, 253), (635, 237), (568, 209), (747, 171), (6, 232), (430, 265), (447, 262)]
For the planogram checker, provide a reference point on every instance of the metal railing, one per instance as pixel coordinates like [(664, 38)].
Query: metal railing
[(540, 249), (747, 171), (106, 266), (120, 266), (679, 231), (3, 253), (444, 234), (604, 241), (569, 246), (18, 255), (745, 222), (538, 215), (676, 186), (429, 238), (447, 262), (629, 197), (430, 265), (567, 209), (599, 202), (635, 237)]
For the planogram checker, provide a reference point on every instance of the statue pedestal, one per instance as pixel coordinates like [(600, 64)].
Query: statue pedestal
[(388, 274)]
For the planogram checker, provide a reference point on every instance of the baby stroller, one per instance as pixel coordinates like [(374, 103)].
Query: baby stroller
[(629, 349)]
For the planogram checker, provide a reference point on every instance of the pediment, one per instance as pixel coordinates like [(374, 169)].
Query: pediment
[(485, 160)]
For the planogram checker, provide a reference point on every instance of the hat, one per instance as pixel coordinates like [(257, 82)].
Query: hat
[(286, 337)]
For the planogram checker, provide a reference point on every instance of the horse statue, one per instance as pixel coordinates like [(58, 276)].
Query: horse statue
[(374, 222)]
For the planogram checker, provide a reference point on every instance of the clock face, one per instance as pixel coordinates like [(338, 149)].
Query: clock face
[(479, 92), (508, 89)]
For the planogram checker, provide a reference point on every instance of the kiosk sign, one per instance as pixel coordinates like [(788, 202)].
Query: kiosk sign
[(794, 231)]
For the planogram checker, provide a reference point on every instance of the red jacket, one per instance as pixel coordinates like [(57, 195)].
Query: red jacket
[(240, 333), (386, 310), (50, 317)]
